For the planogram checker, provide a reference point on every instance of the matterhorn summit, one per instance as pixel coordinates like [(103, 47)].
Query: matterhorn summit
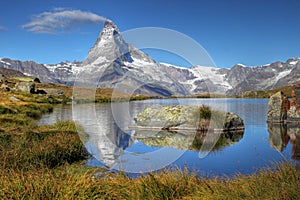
[(109, 46), (115, 64)]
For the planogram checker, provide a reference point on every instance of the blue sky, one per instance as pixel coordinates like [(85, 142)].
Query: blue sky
[(250, 32)]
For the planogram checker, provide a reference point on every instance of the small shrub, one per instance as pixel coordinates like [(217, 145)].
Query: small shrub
[(205, 112)]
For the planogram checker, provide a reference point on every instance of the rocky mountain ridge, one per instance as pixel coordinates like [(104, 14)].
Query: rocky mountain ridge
[(113, 63)]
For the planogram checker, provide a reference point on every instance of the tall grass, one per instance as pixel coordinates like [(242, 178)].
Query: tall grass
[(50, 147), (67, 182)]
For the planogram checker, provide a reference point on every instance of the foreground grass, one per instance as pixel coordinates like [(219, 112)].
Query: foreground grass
[(46, 162), (73, 182)]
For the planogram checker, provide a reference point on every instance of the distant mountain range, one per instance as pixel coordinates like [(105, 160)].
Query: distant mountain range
[(115, 64)]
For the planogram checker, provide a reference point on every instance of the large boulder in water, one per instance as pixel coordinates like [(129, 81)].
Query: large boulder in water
[(191, 117), (275, 104), (167, 116)]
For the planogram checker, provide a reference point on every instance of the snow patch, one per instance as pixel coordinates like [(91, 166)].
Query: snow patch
[(170, 65), (294, 62), (242, 65), (282, 74), (5, 63)]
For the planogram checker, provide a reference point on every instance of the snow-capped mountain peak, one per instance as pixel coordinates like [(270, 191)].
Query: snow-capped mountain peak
[(112, 63)]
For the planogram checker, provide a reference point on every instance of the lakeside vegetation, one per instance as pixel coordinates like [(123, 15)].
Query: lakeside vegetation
[(267, 93), (47, 162)]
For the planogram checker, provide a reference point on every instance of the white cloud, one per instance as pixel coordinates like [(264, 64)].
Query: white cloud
[(2, 28), (60, 20)]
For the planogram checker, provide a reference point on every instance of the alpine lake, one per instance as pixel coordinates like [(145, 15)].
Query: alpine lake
[(105, 130)]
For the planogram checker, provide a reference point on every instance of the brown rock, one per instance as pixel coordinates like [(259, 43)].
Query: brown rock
[(5, 88)]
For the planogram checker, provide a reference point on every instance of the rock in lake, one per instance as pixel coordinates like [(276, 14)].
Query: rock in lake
[(168, 116), (275, 104), (281, 110), (188, 117)]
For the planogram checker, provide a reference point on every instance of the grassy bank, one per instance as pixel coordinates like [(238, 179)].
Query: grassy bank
[(46, 162), (74, 182)]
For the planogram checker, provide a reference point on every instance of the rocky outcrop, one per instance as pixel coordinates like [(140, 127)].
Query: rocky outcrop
[(281, 110), (275, 107), (187, 118), (25, 87), (232, 121)]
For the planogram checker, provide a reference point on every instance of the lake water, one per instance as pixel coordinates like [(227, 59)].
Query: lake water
[(113, 145)]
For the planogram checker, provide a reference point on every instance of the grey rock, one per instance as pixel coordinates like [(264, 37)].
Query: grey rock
[(167, 116), (14, 99), (189, 117), (275, 104), (25, 87), (233, 121)]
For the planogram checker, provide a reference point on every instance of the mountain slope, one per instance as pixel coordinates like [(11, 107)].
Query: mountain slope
[(268, 77)]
